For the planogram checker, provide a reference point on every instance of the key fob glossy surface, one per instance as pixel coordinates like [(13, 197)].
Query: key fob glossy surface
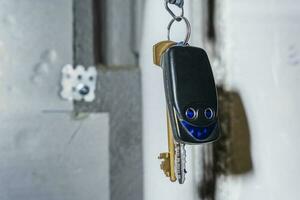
[(191, 94)]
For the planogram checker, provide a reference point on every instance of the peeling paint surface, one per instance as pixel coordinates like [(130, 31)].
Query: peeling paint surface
[(259, 43)]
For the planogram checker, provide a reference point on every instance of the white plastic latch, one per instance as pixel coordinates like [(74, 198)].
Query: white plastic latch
[(78, 83)]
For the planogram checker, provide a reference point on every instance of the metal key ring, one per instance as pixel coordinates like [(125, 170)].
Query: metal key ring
[(188, 27), (177, 18)]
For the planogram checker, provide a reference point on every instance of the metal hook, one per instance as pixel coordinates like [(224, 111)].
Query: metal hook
[(178, 3), (177, 18), (188, 27)]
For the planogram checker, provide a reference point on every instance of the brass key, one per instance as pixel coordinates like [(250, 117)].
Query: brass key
[(159, 49), (168, 158)]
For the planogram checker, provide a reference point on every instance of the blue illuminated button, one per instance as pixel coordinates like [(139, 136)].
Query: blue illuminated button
[(208, 113), (191, 113), (200, 133)]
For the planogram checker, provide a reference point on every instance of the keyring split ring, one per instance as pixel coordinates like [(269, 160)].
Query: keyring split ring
[(188, 28), (177, 18)]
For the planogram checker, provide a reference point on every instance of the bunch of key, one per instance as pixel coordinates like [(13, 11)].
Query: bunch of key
[(191, 97)]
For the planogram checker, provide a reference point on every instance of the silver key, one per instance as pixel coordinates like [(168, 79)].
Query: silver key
[(180, 162)]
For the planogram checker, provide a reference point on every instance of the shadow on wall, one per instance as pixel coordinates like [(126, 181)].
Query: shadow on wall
[(231, 154)]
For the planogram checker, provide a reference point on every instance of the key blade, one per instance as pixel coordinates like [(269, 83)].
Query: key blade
[(180, 162), (168, 158), (171, 148), (166, 166)]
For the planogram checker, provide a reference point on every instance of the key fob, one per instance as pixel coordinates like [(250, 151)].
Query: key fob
[(191, 94)]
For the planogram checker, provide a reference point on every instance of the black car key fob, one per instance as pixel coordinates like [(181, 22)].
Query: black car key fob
[(191, 94)]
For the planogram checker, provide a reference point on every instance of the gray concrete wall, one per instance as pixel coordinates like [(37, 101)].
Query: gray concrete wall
[(119, 31), (118, 90), (45, 153), (119, 93)]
